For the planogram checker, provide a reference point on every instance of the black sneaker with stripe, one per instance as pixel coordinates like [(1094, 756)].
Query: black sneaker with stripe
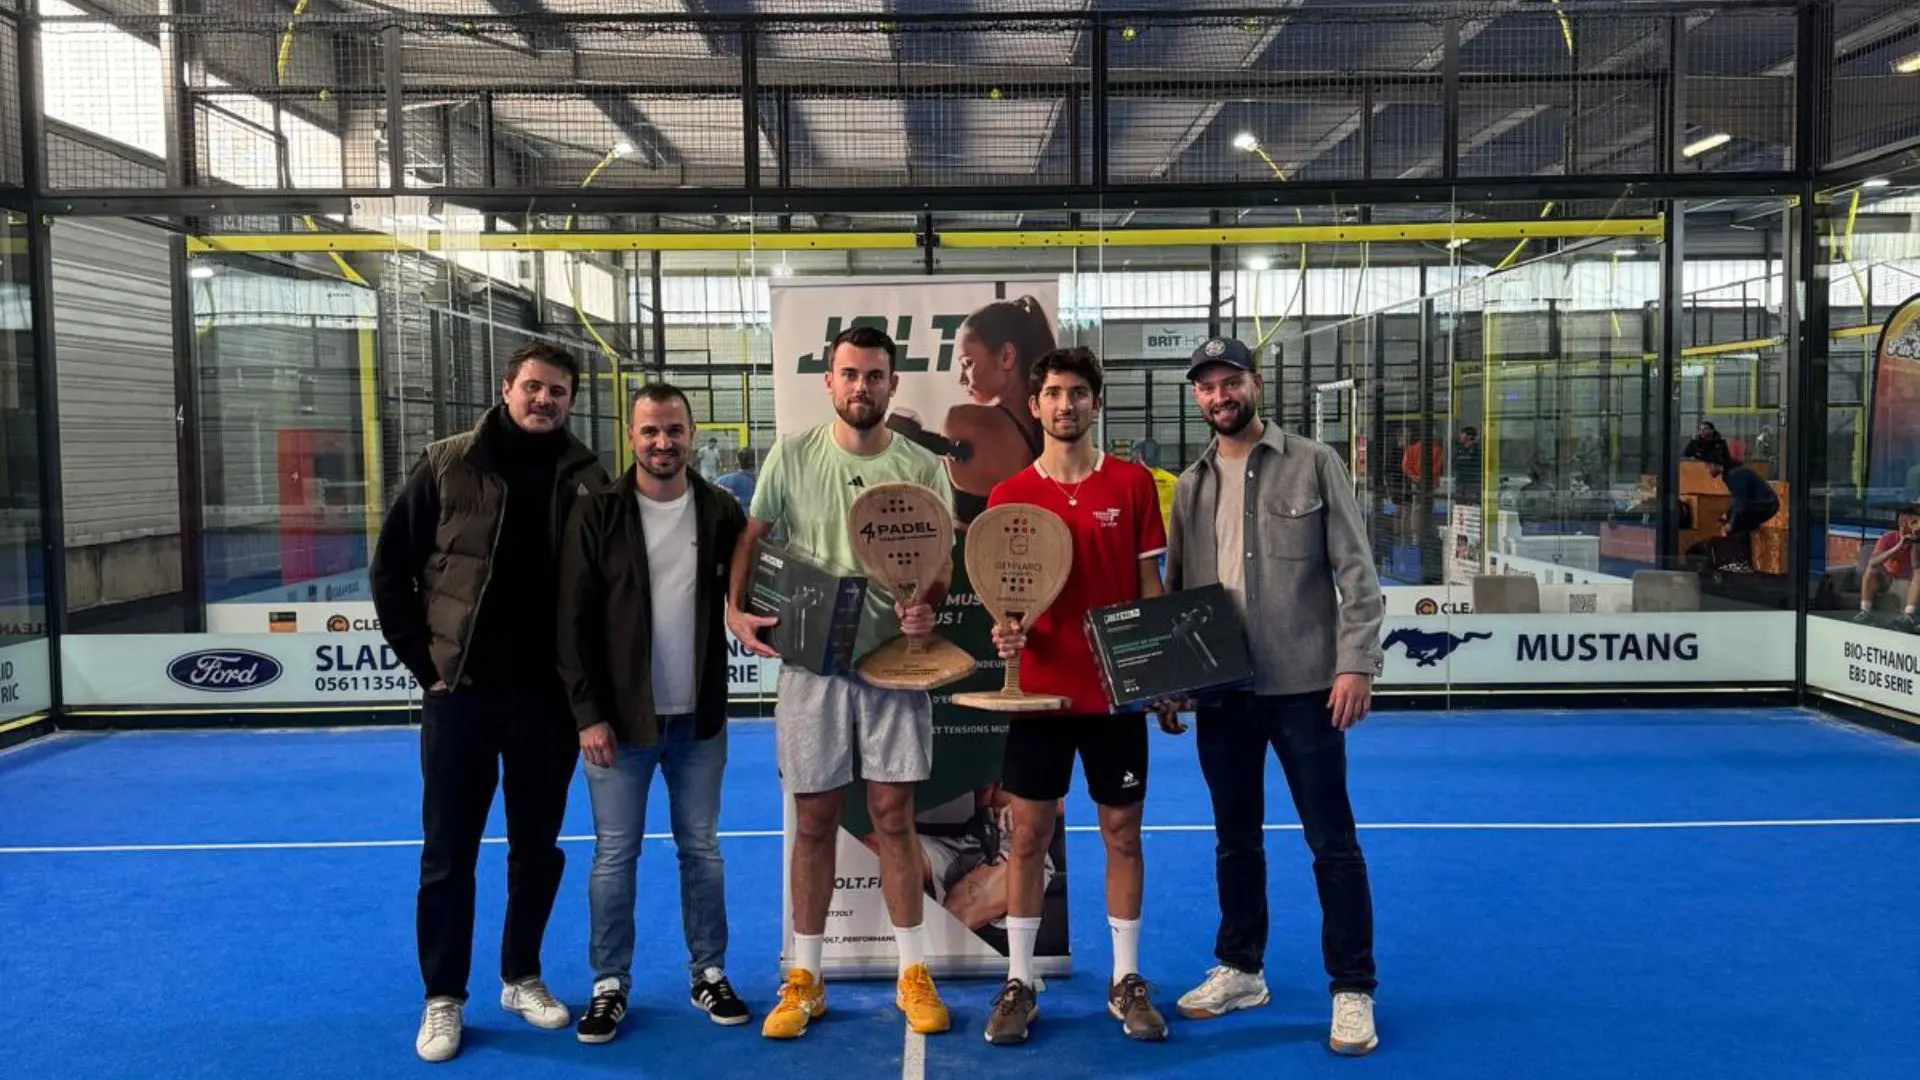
[(601, 1021), (713, 994)]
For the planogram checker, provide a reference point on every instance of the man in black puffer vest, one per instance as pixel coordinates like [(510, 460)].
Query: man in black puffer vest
[(465, 580)]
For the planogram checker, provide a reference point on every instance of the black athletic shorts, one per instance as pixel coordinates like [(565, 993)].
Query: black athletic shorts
[(1113, 754)]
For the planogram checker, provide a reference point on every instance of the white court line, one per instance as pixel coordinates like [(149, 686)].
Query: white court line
[(913, 1057), (758, 834)]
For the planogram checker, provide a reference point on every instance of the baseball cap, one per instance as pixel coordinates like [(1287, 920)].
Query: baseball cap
[(1220, 351)]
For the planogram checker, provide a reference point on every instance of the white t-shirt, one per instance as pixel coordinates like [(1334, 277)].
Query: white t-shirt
[(673, 565)]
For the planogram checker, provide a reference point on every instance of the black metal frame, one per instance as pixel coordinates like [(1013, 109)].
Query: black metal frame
[(767, 109), (1089, 98), (46, 383)]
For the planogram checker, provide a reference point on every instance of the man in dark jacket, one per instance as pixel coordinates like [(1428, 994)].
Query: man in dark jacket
[(463, 580), (644, 655), (1707, 444), (1752, 503)]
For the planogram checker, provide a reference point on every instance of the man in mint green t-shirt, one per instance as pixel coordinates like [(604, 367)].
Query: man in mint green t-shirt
[(825, 725), (808, 485)]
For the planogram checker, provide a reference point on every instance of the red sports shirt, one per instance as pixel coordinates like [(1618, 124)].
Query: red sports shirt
[(1116, 524), (1900, 566)]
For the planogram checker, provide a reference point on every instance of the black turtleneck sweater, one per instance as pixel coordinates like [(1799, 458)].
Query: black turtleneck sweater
[(512, 645)]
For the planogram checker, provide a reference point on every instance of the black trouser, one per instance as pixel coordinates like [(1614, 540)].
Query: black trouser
[(1233, 742), (469, 740), (1751, 518)]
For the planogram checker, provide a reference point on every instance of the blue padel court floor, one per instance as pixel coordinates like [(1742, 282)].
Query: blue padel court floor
[(1557, 894)]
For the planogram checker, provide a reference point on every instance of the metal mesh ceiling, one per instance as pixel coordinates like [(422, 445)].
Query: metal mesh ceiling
[(553, 94)]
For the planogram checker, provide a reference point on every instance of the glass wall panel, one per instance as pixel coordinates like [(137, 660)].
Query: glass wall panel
[(1861, 643), (24, 685), (1495, 399)]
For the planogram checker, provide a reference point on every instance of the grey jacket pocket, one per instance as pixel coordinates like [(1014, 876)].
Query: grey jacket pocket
[(1296, 530)]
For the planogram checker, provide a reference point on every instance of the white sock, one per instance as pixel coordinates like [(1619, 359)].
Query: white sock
[(913, 946), (806, 952), (1126, 946), (1021, 932), (1909, 609), (1866, 605)]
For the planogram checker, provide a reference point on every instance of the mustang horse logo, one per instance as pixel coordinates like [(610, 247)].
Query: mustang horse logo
[(1426, 648)]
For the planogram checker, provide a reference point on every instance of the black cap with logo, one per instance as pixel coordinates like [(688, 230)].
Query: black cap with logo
[(1220, 351)]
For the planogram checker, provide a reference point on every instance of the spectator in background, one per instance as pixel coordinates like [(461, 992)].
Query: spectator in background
[(1148, 455), (1466, 467), (739, 482), (1421, 463), (1754, 502), (707, 461), (1892, 560), (1707, 445), (1536, 501)]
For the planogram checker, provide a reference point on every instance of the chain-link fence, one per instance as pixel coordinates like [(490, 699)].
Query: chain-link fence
[(782, 97)]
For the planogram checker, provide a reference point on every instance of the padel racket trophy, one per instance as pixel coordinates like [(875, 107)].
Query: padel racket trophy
[(1018, 559), (903, 536)]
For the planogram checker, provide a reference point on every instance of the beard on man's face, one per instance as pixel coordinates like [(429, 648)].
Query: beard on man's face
[(1230, 417), (860, 414), (1068, 432), (663, 465)]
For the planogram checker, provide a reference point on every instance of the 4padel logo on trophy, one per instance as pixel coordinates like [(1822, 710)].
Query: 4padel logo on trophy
[(887, 530), (1427, 648), (224, 671)]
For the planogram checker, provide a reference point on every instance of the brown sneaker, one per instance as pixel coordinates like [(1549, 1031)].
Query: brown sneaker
[(1013, 1010), (1127, 1001)]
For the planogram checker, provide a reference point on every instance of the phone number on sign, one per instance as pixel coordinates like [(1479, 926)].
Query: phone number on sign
[(334, 684)]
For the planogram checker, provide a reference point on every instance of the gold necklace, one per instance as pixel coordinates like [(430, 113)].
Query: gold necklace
[(1073, 497)]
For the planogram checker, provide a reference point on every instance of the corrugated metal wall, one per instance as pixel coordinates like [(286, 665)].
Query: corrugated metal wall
[(113, 337)]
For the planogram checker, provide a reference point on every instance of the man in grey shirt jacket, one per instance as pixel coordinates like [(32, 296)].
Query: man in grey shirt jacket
[(1272, 518)]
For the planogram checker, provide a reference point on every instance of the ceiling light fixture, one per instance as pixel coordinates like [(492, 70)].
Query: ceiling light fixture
[(1711, 142)]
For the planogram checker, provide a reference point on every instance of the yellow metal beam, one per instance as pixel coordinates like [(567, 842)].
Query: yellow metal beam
[(1732, 347), (282, 243), (1304, 234), (265, 243)]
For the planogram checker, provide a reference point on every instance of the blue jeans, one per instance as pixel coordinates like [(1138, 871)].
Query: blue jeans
[(1233, 739), (619, 793)]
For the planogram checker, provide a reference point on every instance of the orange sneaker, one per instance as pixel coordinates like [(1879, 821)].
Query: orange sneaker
[(802, 998), (926, 1013)]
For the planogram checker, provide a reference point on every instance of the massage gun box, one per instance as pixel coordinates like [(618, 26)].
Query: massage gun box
[(819, 610), (1180, 645)]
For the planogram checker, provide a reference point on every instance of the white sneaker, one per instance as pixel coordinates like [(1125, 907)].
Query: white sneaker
[(1353, 1032), (531, 999), (439, 1037), (1225, 990)]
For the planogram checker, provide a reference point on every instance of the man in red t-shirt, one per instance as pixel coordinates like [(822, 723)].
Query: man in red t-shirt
[(1113, 510), (1892, 559)]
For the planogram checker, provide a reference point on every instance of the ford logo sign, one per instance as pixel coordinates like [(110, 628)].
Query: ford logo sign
[(224, 670)]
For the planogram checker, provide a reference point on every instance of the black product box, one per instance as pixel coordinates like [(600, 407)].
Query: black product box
[(1175, 646), (819, 610)]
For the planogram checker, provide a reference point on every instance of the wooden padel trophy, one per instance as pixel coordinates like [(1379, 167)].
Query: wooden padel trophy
[(903, 536), (1018, 559)]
